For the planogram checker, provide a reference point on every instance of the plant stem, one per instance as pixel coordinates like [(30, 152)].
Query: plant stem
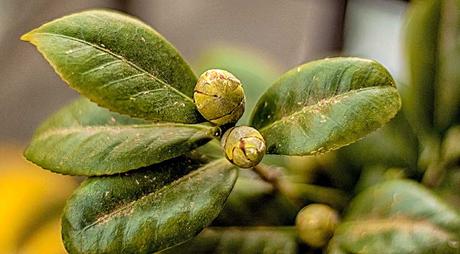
[(300, 193), (331, 196), (435, 167), (433, 175)]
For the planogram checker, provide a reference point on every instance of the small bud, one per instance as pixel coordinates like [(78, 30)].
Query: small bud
[(219, 97), (316, 224), (243, 146)]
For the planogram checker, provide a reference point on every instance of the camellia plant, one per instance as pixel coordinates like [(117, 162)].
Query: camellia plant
[(162, 149)]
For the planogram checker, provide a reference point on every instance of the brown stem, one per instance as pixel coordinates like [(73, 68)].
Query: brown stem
[(433, 175), (431, 155), (299, 193)]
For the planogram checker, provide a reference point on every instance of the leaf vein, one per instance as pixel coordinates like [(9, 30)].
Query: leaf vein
[(121, 58)]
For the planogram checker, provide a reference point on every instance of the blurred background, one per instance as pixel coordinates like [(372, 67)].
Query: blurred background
[(283, 33), (266, 36)]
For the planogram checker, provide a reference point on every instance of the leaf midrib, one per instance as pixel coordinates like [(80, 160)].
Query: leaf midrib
[(77, 129), (326, 100), (135, 66), (100, 220)]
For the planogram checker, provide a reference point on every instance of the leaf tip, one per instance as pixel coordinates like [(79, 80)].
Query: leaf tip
[(28, 36)]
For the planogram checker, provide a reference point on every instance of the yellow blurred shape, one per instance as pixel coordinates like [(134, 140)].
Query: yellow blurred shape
[(47, 239), (28, 194)]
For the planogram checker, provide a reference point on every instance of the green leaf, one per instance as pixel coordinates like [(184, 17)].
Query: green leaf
[(255, 72), (84, 139), (421, 49), (375, 174), (447, 100), (324, 105), (433, 53), (397, 140), (120, 63), (266, 240), (146, 210), (449, 188), (398, 216), (451, 147)]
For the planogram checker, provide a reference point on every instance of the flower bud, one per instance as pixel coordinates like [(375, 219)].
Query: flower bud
[(219, 97), (244, 146), (316, 224)]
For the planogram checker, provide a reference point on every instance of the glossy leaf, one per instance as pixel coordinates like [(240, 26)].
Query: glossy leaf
[(146, 210), (252, 240), (398, 216), (84, 139), (120, 63), (324, 105)]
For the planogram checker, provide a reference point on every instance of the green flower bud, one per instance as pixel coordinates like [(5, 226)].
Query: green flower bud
[(243, 146), (219, 97), (316, 224)]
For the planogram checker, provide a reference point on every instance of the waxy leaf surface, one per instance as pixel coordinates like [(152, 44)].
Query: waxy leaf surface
[(84, 139), (249, 240), (146, 210), (324, 105), (120, 63), (399, 216)]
